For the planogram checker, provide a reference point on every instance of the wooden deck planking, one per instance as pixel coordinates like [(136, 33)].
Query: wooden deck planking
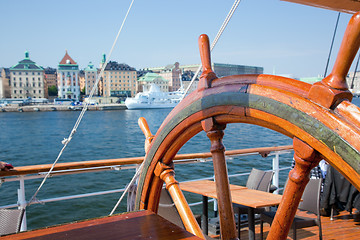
[(344, 226)]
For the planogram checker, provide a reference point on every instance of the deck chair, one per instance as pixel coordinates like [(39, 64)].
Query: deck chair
[(10, 220), (310, 203), (257, 180), (168, 210)]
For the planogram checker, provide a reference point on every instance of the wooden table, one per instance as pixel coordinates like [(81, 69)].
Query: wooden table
[(134, 225), (239, 195)]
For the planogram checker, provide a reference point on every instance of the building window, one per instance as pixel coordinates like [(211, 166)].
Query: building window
[(14, 91), (14, 84), (20, 91), (39, 91)]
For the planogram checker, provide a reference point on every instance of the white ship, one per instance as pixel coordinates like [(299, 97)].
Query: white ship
[(154, 98)]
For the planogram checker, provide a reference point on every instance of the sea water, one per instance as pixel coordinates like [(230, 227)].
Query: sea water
[(33, 138)]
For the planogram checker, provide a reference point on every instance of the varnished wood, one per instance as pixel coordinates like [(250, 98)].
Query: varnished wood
[(167, 174), (344, 226), (207, 75), (31, 169), (146, 130), (306, 158), (135, 225), (314, 115), (215, 133), (348, 6)]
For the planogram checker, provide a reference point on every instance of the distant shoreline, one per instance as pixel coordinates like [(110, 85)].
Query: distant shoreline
[(59, 107)]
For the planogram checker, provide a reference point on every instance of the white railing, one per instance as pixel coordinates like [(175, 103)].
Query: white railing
[(180, 159)]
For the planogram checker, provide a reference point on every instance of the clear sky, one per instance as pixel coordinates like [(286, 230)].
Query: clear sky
[(282, 37)]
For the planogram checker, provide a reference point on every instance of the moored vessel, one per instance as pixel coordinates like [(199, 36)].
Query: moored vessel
[(154, 98)]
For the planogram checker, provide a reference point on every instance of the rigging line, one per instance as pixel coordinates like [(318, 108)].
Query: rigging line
[(218, 35), (332, 43), (66, 141), (352, 81), (221, 30), (136, 175)]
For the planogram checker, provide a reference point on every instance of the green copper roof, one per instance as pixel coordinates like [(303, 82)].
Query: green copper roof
[(26, 64), (151, 77), (90, 68)]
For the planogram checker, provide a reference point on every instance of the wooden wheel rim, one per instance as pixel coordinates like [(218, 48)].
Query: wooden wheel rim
[(275, 104)]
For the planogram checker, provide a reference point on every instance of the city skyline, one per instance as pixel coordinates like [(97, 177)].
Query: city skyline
[(282, 37)]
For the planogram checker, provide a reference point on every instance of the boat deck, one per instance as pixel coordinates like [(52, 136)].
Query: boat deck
[(344, 226)]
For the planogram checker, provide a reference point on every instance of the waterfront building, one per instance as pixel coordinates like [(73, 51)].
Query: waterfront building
[(119, 80), (223, 69), (5, 83), (91, 74), (82, 81), (186, 78), (175, 71), (27, 80), (68, 78), (146, 80), (50, 76), (172, 74)]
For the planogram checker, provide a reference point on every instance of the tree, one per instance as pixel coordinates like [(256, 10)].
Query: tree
[(53, 91)]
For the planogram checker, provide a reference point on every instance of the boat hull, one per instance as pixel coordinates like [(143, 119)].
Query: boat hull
[(134, 105)]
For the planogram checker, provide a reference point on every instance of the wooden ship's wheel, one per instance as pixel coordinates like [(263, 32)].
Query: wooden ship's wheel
[(319, 118)]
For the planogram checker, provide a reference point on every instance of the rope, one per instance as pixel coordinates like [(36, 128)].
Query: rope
[(67, 140), (218, 35), (332, 43), (221, 30), (136, 175)]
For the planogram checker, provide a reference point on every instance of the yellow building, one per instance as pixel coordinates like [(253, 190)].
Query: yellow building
[(91, 74), (119, 80)]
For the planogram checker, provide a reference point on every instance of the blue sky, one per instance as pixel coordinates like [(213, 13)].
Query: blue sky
[(282, 37)]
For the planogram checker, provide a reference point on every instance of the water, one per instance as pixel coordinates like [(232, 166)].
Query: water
[(35, 138)]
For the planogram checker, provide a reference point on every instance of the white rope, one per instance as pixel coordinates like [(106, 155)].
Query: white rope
[(136, 175), (218, 35), (67, 140), (221, 30)]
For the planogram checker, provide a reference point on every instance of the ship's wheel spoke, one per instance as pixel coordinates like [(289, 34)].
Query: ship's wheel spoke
[(167, 174), (215, 133), (306, 158)]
